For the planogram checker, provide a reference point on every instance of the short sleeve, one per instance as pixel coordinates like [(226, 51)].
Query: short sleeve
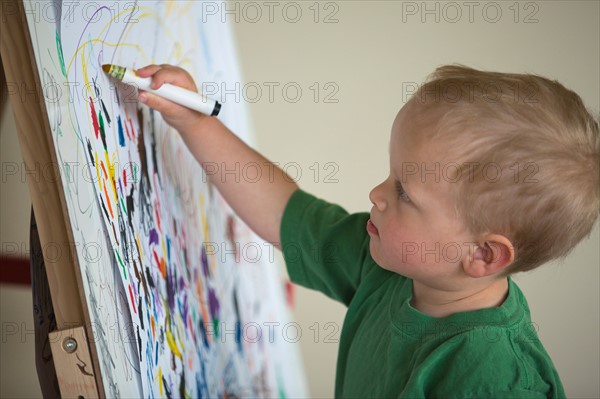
[(324, 247)]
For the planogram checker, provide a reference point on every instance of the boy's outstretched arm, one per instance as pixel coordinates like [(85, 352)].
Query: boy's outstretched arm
[(260, 202)]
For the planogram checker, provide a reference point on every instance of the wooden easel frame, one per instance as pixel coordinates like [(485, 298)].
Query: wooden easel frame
[(75, 359)]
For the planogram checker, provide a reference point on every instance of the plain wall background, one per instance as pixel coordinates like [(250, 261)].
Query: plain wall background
[(367, 56)]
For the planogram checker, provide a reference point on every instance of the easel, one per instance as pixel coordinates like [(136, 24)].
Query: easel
[(75, 360)]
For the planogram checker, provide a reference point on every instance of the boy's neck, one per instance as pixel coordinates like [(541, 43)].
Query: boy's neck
[(438, 303)]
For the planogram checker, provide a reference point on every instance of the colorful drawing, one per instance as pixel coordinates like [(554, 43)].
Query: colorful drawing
[(184, 300)]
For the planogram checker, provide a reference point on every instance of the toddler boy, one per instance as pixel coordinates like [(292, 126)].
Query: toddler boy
[(490, 174)]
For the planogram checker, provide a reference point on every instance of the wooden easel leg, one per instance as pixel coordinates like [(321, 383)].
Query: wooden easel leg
[(43, 315), (75, 372), (71, 354)]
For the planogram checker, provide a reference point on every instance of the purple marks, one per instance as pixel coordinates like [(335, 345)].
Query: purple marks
[(204, 260), (183, 309), (170, 283), (153, 238), (213, 304)]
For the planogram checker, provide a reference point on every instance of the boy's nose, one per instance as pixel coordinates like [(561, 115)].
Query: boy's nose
[(377, 197)]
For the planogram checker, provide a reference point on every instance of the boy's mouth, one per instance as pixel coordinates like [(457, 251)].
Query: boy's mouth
[(371, 229)]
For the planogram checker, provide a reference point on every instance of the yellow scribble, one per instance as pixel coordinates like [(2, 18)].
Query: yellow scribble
[(185, 9), (164, 247), (170, 5), (203, 219), (160, 381), (147, 14), (84, 70), (111, 177), (137, 240), (173, 344)]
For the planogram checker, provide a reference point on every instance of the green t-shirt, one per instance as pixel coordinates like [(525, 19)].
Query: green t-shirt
[(388, 348)]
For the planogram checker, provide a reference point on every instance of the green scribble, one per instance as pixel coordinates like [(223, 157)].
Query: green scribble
[(61, 59), (135, 173), (122, 265), (123, 206), (102, 133), (216, 327), (67, 168), (280, 388)]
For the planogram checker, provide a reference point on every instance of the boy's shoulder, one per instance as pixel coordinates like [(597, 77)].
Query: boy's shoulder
[(494, 351), (484, 353), (488, 361)]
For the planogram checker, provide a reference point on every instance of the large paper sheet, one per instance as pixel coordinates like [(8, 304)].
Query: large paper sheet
[(184, 300)]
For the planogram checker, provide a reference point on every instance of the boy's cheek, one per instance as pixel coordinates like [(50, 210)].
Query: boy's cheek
[(409, 253), (418, 254)]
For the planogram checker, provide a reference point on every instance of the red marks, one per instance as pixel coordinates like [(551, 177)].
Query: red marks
[(132, 301), (289, 294), (94, 118), (160, 264), (110, 210), (124, 177), (131, 127), (155, 256), (157, 218)]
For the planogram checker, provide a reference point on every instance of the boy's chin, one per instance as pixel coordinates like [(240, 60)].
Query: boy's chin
[(381, 261), (392, 268)]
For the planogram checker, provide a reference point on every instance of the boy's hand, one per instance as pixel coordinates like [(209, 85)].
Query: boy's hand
[(178, 116), (260, 203)]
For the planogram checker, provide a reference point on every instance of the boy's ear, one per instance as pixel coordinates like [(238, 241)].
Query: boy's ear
[(493, 255)]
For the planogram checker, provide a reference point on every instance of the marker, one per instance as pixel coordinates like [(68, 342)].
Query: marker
[(178, 95)]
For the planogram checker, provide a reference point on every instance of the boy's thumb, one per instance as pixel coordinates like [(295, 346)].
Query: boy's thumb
[(151, 100), (143, 96), (156, 102)]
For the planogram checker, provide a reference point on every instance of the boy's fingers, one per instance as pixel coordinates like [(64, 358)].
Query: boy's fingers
[(175, 76), (148, 70), (142, 96), (156, 102), (166, 73)]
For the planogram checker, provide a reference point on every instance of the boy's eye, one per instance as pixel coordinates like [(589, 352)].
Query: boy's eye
[(401, 193)]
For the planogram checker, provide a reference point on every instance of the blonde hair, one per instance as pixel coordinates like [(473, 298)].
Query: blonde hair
[(525, 158)]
